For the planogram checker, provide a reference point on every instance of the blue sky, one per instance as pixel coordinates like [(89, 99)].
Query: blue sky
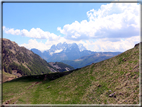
[(47, 16), (98, 26)]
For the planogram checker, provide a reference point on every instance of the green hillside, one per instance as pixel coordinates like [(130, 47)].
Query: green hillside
[(87, 60), (112, 81), (62, 65), (20, 61)]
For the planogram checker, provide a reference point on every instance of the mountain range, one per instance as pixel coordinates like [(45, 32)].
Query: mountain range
[(89, 59), (74, 55), (18, 61), (63, 51)]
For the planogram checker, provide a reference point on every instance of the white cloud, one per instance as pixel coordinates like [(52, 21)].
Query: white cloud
[(113, 27), (104, 45), (11, 31), (33, 33), (113, 20), (99, 45), (32, 43)]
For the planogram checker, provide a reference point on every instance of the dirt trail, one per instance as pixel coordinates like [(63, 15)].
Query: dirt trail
[(33, 85), (15, 99)]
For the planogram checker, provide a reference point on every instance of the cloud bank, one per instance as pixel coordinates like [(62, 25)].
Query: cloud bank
[(115, 20)]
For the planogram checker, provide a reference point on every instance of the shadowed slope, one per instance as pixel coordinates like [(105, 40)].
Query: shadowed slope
[(20, 61)]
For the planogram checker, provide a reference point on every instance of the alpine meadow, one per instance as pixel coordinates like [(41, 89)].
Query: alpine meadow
[(71, 54)]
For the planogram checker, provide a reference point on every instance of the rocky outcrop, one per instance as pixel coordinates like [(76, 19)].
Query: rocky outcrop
[(61, 67)]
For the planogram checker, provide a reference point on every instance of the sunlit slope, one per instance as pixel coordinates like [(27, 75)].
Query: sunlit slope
[(113, 81)]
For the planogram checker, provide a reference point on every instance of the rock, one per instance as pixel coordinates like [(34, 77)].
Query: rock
[(98, 85), (126, 84), (137, 44), (124, 59), (117, 88), (120, 94), (112, 95), (48, 87)]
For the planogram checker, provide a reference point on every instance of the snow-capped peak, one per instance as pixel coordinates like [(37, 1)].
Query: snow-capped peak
[(58, 51), (81, 47), (65, 47)]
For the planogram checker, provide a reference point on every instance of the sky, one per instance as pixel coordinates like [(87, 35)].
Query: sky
[(100, 27)]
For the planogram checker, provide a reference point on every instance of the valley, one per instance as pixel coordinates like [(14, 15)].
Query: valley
[(61, 67), (89, 59), (19, 61), (74, 55), (71, 53), (111, 81)]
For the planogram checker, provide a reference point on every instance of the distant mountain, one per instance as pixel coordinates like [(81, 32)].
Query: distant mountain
[(45, 55), (63, 51), (36, 51), (20, 61), (74, 55), (81, 47), (58, 48), (89, 59), (61, 67)]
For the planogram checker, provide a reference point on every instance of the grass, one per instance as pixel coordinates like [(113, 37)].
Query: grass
[(6, 76), (89, 85)]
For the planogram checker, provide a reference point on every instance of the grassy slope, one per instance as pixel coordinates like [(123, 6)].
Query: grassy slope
[(85, 61), (6, 76), (23, 60), (91, 84)]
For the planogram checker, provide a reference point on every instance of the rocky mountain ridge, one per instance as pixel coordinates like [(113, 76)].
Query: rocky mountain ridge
[(64, 51), (65, 47), (89, 59), (20, 61)]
